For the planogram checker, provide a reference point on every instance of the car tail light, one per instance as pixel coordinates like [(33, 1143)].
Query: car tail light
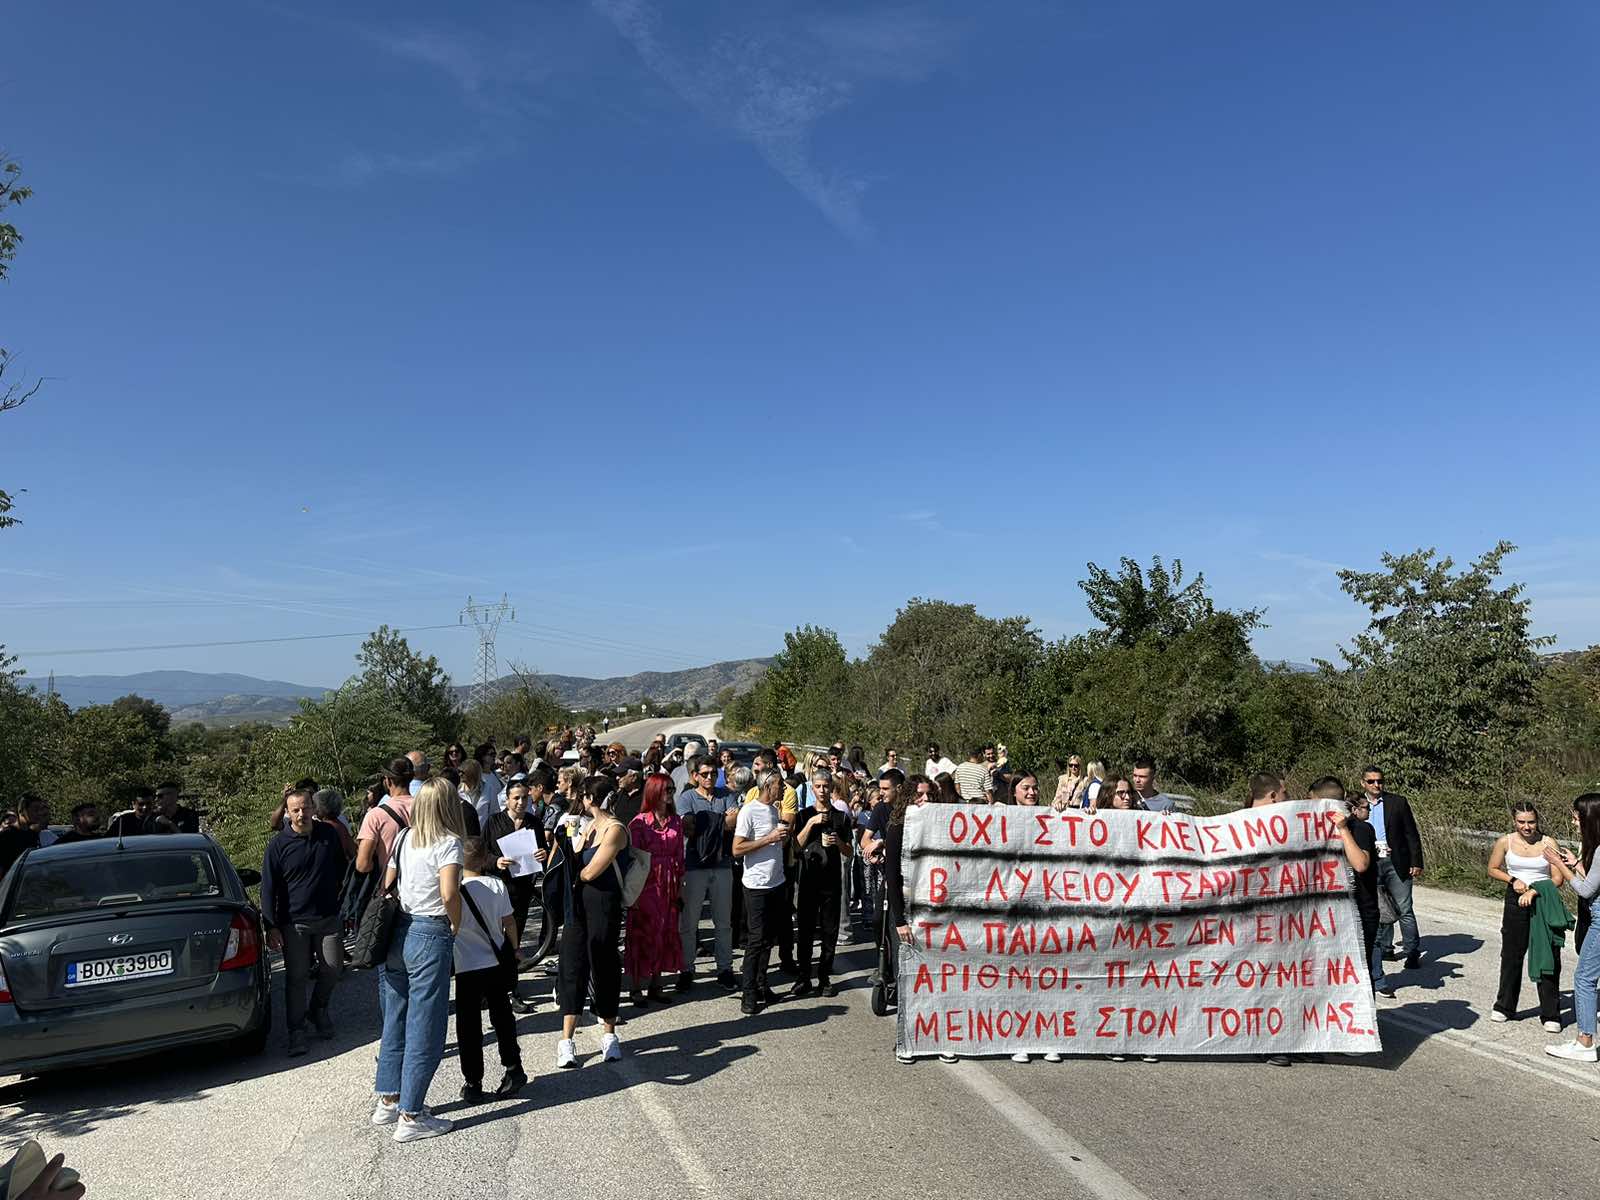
[(244, 944), (5, 988)]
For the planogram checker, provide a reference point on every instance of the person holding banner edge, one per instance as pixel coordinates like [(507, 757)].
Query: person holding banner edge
[(1586, 977)]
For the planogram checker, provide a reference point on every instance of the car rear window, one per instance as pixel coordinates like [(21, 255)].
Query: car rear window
[(64, 885)]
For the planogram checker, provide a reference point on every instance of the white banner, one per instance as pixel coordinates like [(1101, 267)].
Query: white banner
[(1131, 933)]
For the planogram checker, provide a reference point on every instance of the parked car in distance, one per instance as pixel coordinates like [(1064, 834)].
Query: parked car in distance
[(676, 741), (115, 948), (744, 753)]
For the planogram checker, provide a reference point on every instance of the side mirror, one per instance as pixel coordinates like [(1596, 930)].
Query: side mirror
[(249, 878)]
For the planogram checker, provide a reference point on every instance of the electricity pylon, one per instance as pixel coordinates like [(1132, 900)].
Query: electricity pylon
[(487, 618)]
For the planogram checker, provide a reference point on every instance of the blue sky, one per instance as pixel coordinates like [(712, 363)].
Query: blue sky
[(686, 324)]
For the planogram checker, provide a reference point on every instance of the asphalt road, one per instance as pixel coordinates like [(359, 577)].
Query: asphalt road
[(808, 1097), (637, 734)]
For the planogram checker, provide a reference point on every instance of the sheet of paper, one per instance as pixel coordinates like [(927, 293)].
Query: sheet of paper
[(523, 849)]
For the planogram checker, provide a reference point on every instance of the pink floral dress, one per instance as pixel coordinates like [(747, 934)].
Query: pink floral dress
[(653, 946)]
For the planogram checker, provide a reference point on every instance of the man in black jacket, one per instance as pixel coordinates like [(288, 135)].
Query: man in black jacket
[(1399, 863), (300, 877)]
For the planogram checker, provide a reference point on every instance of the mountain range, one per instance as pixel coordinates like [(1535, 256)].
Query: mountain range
[(228, 699), (700, 684)]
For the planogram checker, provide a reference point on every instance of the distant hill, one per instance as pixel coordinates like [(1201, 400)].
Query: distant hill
[(212, 698), (225, 699), (700, 684)]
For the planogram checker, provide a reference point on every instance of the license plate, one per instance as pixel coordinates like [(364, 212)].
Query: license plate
[(125, 966)]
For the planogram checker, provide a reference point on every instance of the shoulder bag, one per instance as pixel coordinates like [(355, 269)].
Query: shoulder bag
[(632, 884), (376, 931)]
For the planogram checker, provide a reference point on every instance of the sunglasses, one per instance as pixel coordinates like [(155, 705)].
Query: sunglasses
[(1379, 782), (1129, 795)]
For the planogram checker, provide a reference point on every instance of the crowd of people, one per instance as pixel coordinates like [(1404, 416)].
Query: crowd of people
[(626, 855)]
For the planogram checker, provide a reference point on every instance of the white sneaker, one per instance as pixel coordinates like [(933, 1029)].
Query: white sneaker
[(423, 1125), (610, 1048), (1052, 1057), (1119, 1058), (948, 1058), (1574, 1052), (385, 1114), (566, 1053), (1552, 1026), (1148, 1058), (904, 1057), (1499, 1018), (1019, 1056)]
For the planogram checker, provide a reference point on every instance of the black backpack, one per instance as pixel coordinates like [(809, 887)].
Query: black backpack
[(376, 931), (357, 890)]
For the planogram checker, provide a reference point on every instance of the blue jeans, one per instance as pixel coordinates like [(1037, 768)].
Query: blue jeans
[(1586, 980), (1399, 888), (1376, 963), (414, 993)]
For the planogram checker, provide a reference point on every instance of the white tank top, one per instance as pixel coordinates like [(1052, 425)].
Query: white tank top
[(1530, 870)]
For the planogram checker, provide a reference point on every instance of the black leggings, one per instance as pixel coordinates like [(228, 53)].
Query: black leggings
[(1515, 923), (589, 954)]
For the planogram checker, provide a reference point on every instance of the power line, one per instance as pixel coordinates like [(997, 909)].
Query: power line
[(303, 637)]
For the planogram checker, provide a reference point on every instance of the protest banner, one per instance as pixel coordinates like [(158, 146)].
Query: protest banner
[(1131, 933)]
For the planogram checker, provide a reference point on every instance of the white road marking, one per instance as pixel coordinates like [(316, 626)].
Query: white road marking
[(1071, 1155), (643, 1093), (1496, 1053)]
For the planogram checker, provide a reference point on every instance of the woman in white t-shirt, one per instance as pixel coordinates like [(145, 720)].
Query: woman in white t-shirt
[(414, 984)]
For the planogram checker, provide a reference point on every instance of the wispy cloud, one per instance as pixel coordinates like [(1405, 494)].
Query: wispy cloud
[(928, 521), (770, 83)]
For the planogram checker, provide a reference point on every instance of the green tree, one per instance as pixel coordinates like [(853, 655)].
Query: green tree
[(1167, 674), (805, 693), (943, 672), (1137, 605), (101, 753), (340, 741), (1440, 687), (527, 706), (1565, 738), (155, 718), (414, 684), (12, 395)]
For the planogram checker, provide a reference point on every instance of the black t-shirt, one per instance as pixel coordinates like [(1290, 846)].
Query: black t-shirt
[(186, 819), (1366, 891), (816, 858), (880, 818), (129, 824), (13, 842)]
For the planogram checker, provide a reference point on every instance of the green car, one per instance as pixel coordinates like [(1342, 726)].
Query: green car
[(112, 948)]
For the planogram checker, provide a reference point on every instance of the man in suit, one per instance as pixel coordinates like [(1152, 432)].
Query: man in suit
[(1399, 863)]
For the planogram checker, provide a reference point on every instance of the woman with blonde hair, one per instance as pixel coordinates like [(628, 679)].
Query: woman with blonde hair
[(1095, 781), (1070, 784), (414, 982)]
